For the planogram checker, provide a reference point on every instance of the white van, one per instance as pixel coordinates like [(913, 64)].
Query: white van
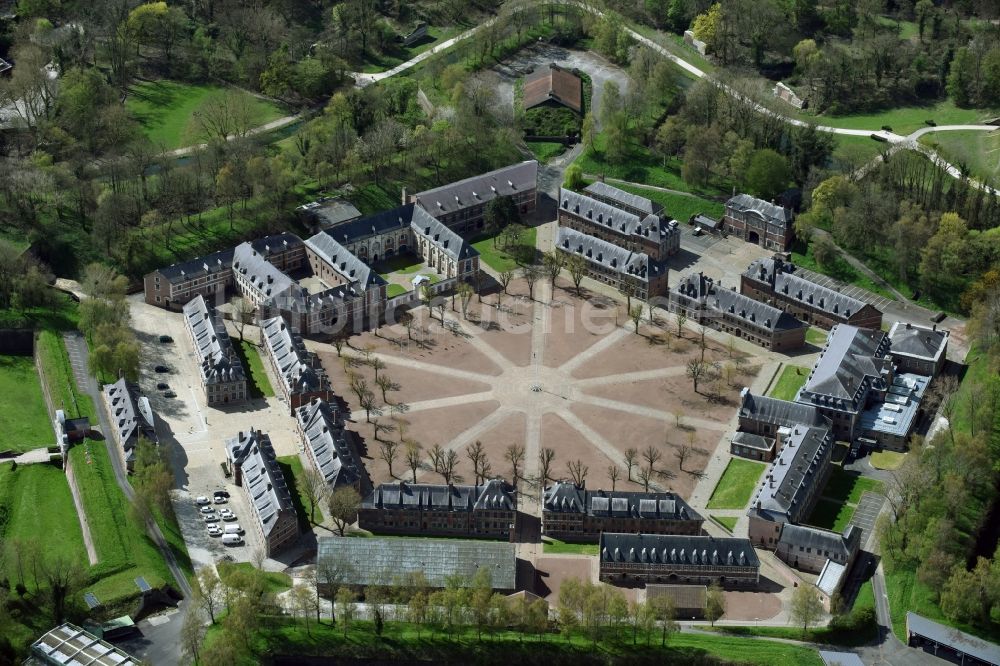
[(234, 529), (232, 540)]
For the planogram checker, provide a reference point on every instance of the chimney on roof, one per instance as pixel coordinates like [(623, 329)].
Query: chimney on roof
[(404, 195)]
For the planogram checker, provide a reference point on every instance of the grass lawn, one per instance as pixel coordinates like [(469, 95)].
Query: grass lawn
[(792, 378), (545, 150), (406, 643), (291, 467), (976, 151), (503, 259), (853, 151), (907, 29), (401, 263), (59, 376), (839, 269), (552, 546), (166, 109), (259, 385), (35, 503), (274, 581), (123, 549), (24, 419), (831, 515), (736, 485), (394, 290), (907, 119), (845, 486), (678, 206), (61, 316), (729, 522), (887, 459), (816, 336)]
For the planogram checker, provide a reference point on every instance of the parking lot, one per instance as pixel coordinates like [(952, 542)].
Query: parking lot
[(862, 295), (195, 434), (866, 514)]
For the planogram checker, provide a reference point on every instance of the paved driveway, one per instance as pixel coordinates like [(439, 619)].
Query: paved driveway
[(866, 514)]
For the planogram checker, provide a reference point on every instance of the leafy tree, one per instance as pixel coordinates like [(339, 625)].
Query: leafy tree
[(574, 177), (498, 214), (768, 174), (715, 604), (343, 504), (706, 26), (806, 607), (552, 263), (577, 267), (663, 610)]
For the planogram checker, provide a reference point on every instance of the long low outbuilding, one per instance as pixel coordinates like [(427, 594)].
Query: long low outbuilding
[(950, 644)]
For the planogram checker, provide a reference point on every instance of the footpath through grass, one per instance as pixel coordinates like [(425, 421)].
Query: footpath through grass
[(974, 150), (552, 546), (24, 420), (258, 386), (407, 643), (907, 119), (166, 110), (736, 485), (791, 380)]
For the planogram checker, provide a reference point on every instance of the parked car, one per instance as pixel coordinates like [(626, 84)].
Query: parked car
[(228, 516), (161, 369), (166, 338), (233, 529), (211, 518), (214, 530), (169, 394), (221, 493), (162, 386), (232, 539), (201, 500), (219, 499), (208, 509)]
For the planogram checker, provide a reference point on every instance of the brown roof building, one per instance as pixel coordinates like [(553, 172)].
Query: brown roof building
[(553, 85)]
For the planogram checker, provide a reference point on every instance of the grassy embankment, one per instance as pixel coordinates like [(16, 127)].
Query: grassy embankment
[(736, 485)]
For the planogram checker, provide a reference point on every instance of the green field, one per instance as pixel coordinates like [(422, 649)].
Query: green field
[(678, 206), (907, 29), (259, 385), (274, 581), (845, 486), (853, 151), (61, 316), (887, 459), (123, 549), (55, 364), (394, 290), (907, 119), (816, 336), (291, 467), (729, 522), (831, 515), (545, 150), (792, 378), (499, 259), (979, 152), (166, 109), (552, 546), (24, 419), (736, 485), (405, 643), (401, 263)]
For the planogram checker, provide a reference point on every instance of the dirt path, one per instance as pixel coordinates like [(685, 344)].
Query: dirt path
[(88, 539)]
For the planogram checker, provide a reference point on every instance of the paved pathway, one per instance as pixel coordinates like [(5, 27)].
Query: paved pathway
[(31, 457)]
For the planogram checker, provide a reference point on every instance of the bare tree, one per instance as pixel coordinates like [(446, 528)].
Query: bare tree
[(530, 274), (385, 383), (515, 456), (464, 291), (702, 344), (631, 457), (370, 405), (315, 489), (243, 312), (681, 319), (343, 504), (645, 476), (193, 634), (445, 463), (628, 289), (358, 385), (577, 472), (476, 454), (545, 458), (652, 456), (64, 576), (614, 473), (338, 344), (504, 277), (387, 451), (406, 319), (414, 457), (222, 116), (553, 263), (577, 267), (382, 428), (696, 371), (683, 452), (377, 364), (635, 314)]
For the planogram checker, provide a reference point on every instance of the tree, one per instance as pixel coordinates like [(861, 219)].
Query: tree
[(65, 577), (806, 607), (635, 314), (210, 588), (683, 452), (681, 319), (530, 274), (715, 604), (696, 371), (314, 489), (498, 214), (369, 404), (706, 26), (663, 610), (824, 251), (631, 457), (346, 604), (303, 600), (343, 504), (545, 459), (445, 463), (504, 277), (385, 383), (577, 472), (464, 291), (388, 450), (552, 262), (574, 175), (515, 456), (614, 473), (768, 174), (243, 311), (476, 455), (577, 267), (414, 458), (219, 117), (192, 634)]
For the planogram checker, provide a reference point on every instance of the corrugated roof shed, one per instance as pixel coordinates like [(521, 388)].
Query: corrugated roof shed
[(69, 644)]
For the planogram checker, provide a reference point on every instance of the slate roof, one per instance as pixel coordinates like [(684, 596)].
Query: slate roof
[(678, 549), (781, 413), (494, 494), (383, 222), (787, 480), (566, 497), (376, 561), (781, 276), (131, 415), (344, 262), (752, 441), (199, 267), (852, 361), (959, 640), (291, 357), (262, 477), (508, 181), (440, 236), (261, 273), (69, 644), (552, 82), (622, 199), (327, 439), (615, 219), (769, 211), (820, 540), (700, 288), (331, 212), (216, 359), (918, 341), (596, 251)]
